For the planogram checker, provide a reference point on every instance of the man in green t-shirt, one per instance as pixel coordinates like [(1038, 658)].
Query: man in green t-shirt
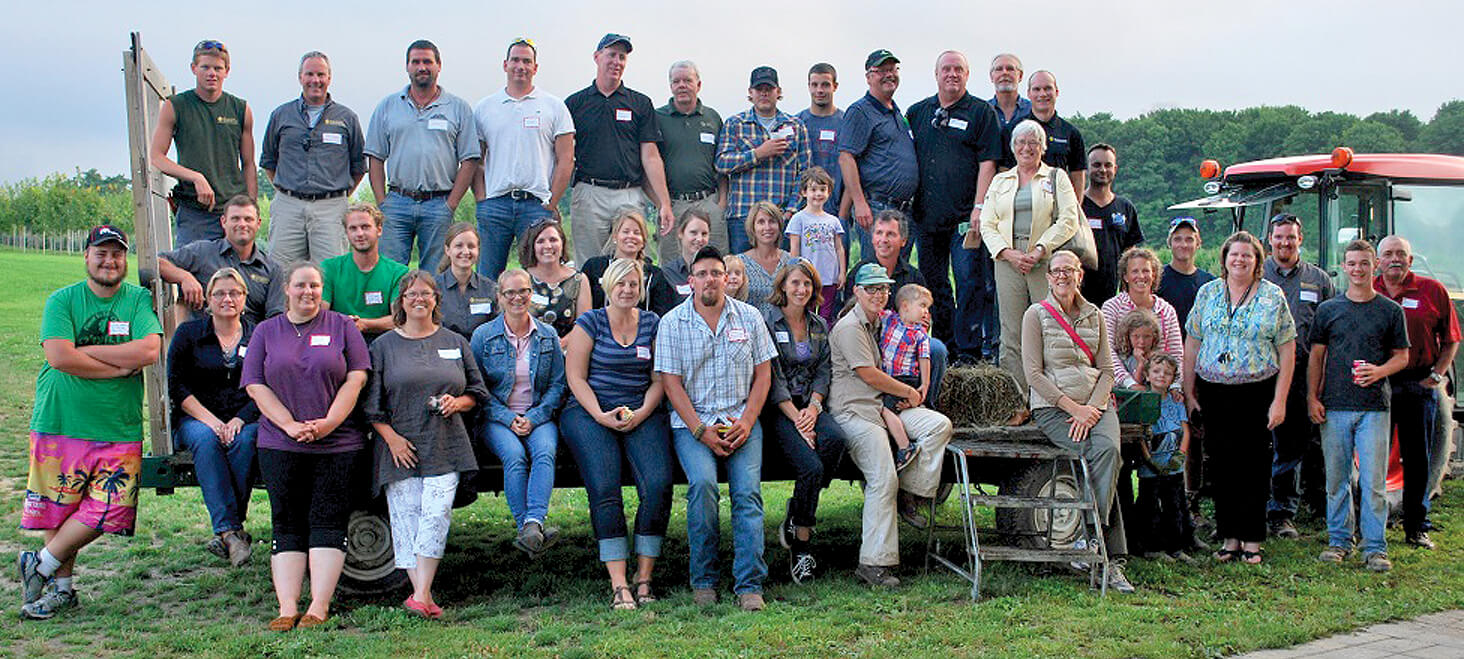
[(363, 283), (86, 428)]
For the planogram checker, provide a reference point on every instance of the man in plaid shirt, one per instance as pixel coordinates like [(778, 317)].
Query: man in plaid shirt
[(762, 152)]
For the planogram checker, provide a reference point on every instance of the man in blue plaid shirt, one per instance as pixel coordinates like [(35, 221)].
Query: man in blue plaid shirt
[(762, 152)]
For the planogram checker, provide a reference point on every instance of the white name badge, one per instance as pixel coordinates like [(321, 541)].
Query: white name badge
[(708, 138), (437, 124), (683, 289), (374, 297), (539, 300), (480, 308), (119, 328), (330, 138), (1095, 222), (1410, 303), (785, 133), (531, 122), (243, 350), (958, 124), (781, 337), (320, 339), (1047, 185), (622, 114), (827, 135), (736, 334), (642, 352), (450, 353), (1308, 296)]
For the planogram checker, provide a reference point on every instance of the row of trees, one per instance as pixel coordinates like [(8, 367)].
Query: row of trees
[(1159, 156)]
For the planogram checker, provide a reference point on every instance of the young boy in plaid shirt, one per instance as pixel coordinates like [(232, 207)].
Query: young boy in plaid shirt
[(904, 346)]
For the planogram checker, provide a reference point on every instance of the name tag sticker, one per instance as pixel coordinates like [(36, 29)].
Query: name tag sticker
[(531, 122), (1047, 185), (1095, 222), (539, 300), (785, 133), (374, 297), (450, 353), (827, 135), (1410, 303), (622, 114), (736, 334), (119, 328), (683, 289), (958, 124), (330, 138), (243, 350), (259, 278), (319, 339), (642, 352), (437, 124), (1308, 296), (480, 308), (782, 337)]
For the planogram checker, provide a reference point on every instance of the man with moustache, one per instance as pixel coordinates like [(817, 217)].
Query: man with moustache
[(363, 283), (689, 133), (1006, 79), (824, 121), (877, 150), (957, 141), (420, 146), (86, 427), (1065, 148), (1114, 221), (527, 137), (762, 152), (313, 155), (193, 264), (616, 160)]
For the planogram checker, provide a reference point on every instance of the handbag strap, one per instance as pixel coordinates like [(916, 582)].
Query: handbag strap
[(1072, 333)]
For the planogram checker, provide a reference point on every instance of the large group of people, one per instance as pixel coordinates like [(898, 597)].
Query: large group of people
[(398, 372)]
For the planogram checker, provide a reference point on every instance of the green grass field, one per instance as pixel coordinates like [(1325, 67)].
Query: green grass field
[(158, 594)]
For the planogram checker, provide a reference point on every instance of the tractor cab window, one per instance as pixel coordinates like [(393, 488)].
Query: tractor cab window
[(1430, 216)]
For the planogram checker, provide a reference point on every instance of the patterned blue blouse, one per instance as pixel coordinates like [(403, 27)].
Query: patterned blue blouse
[(1239, 345)]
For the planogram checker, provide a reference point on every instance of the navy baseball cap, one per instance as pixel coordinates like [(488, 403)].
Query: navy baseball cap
[(879, 57), (107, 233), (612, 39), (763, 75), (1183, 222)]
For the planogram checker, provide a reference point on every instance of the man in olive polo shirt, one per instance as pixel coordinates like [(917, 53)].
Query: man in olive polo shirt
[(689, 148), (363, 283), (191, 265), (616, 160)]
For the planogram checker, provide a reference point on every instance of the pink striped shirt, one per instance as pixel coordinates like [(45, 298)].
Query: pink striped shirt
[(1169, 339)]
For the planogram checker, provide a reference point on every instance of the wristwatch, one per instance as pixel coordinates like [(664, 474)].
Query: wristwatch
[(1437, 379)]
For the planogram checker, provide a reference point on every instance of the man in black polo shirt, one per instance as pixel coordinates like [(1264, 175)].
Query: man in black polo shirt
[(1065, 148), (313, 156), (689, 133), (877, 151), (616, 161), (1114, 220), (958, 141)]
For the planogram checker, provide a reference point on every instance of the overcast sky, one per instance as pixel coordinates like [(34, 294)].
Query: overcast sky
[(67, 107)]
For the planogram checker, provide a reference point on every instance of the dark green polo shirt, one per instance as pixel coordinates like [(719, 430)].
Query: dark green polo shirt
[(689, 147)]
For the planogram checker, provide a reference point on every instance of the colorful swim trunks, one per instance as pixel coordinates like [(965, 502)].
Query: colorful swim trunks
[(94, 483)]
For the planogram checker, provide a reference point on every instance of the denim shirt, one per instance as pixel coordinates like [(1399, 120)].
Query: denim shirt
[(812, 376), (496, 357)]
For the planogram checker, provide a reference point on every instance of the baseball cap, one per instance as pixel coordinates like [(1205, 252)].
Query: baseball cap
[(879, 57), (1183, 222), (763, 75), (107, 233), (612, 39), (871, 274), (707, 252)]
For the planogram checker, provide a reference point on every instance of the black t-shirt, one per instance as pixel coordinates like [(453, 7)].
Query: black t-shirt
[(1065, 147), (609, 131), (950, 156), (1115, 228), (1369, 331), (1179, 290)]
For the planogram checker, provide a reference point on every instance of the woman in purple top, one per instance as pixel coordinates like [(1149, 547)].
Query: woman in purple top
[(305, 369)]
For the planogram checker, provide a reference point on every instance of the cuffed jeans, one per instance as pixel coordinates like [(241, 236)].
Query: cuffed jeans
[(813, 468), (599, 452), (301, 230), (528, 468), (965, 318), (869, 448), (406, 219), (223, 471), (703, 532), (192, 225), (501, 220), (1364, 434), (1100, 451), (1415, 414)]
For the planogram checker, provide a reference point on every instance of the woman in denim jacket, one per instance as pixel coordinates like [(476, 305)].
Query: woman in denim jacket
[(523, 369)]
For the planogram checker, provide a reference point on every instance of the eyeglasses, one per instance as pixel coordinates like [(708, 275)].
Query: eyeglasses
[(209, 44), (709, 274), (516, 292), (1063, 272), (877, 289), (219, 295), (1029, 142), (941, 119), (419, 295)]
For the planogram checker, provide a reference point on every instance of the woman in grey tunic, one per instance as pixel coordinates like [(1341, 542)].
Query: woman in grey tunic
[(422, 381)]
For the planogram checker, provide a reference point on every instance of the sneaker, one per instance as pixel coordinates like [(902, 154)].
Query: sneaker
[(1081, 567), (1285, 529), (32, 582), (704, 596), (530, 539), (787, 534), (1421, 540), (879, 577), (802, 567), (905, 456), (238, 548), (1116, 580), (1377, 562), (1334, 554), (751, 602), (48, 605)]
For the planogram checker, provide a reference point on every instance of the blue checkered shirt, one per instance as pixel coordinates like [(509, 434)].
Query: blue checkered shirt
[(715, 367), (751, 180)]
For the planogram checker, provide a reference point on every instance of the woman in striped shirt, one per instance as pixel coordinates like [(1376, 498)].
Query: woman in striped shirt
[(1139, 269)]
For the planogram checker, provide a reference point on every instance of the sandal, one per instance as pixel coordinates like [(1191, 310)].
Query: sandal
[(618, 604), (1250, 557), (1223, 555), (284, 623), (644, 594)]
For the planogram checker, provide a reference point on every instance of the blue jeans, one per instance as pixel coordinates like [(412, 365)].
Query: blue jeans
[(865, 240), (600, 452), (703, 532), (1365, 433), (223, 471), (192, 225), (426, 221), (969, 317), (528, 468), (940, 356), (501, 220), (813, 469)]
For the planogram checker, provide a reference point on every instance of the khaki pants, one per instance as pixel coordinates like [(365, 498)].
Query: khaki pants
[(1014, 293), (1101, 451), (869, 447), (670, 244), (591, 209), (302, 230)]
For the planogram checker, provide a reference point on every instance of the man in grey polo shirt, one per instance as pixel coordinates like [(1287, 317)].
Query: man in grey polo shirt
[(877, 151), (689, 148), (313, 156), (421, 139), (616, 160), (191, 265), (528, 157)]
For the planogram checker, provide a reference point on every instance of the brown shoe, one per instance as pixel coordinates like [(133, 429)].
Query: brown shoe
[(284, 623), (237, 547), (704, 596), (751, 601), (309, 620)]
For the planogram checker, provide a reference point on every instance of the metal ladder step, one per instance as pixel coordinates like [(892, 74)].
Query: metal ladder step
[(1013, 501), (1030, 555)]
